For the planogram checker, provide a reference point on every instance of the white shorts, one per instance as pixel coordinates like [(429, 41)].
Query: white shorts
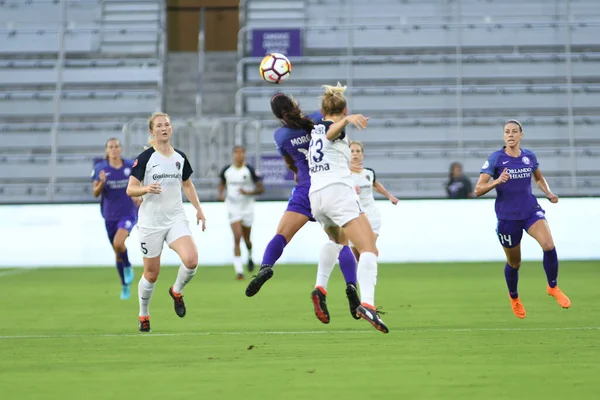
[(374, 218), (153, 239), (335, 205), (241, 212)]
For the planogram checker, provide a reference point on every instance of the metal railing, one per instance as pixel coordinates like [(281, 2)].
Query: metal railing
[(65, 27)]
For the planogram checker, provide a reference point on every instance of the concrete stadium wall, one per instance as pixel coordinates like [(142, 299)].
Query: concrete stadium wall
[(413, 231)]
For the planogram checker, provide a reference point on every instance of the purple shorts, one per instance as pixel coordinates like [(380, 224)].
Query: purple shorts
[(510, 232), (299, 202), (124, 223)]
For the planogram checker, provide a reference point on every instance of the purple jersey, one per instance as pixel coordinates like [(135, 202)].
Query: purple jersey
[(294, 142), (515, 200), (114, 203)]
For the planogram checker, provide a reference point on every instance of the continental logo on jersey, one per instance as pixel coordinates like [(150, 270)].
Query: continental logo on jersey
[(166, 176)]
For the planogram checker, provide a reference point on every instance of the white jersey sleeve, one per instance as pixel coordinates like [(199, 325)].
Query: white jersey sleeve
[(328, 160), (159, 211)]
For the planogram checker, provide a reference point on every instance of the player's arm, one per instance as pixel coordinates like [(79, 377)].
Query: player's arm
[(379, 188), (484, 185), (99, 184), (290, 164), (542, 184), (259, 188), (135, 188), (222, 183), (337, 128)]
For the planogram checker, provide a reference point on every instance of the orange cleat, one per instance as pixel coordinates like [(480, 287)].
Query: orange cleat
[(560, 297), (517, 307)]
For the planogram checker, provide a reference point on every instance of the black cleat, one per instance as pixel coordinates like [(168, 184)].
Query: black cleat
[(145, 324), (250, 265), (177, 303), (353, 299), (319, 302), (264, 274), (372, 317)]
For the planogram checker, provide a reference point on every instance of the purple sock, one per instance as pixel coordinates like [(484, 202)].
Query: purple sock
[(551, 266), (125, 259), (348, 265), (120, 267), (274, 250), (512, 279)]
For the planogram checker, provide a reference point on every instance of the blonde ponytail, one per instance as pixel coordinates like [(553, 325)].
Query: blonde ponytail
[(333, 101)]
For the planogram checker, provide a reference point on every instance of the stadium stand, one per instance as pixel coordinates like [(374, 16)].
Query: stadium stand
[(110, 72)]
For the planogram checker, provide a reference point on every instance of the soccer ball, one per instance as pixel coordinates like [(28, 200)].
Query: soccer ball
[(275, 68)]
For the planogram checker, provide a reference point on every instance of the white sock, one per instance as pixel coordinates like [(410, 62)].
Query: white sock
[(238, 265), (184, 276), (145, 290), (327, 259), (367, 277)]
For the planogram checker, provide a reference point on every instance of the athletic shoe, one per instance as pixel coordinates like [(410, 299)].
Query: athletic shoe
[(560, 297), (128, 275), (318, 297), (517, 307), (145, 324), (250, 265), (264, 274), (125, 293), (371, 315), (353, 299), (178, 303)]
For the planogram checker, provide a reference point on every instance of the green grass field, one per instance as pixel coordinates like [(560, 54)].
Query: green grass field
[(64, 334)]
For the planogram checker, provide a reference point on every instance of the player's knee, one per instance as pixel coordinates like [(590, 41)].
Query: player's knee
[(119, 246), (190, 260), (151, 276), (547, 245), (514, 263)]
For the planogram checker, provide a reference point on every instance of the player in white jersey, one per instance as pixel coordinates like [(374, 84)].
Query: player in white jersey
[(239, 187), (336, 205), (365, 181), (158, 175)]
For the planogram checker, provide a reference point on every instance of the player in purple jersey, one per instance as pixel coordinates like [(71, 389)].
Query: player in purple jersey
[(292, 140), (118, 209), (517, 210)]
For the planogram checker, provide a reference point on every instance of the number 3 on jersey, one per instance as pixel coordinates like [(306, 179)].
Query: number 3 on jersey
[(315, 151)]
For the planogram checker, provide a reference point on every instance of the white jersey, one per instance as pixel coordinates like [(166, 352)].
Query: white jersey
[(328, 161), (365, 180), (234, 179), (159, 211)]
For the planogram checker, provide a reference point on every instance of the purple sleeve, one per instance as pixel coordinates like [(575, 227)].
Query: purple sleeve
[(536, 164), (280, 142), (95, 172), (489, 167)]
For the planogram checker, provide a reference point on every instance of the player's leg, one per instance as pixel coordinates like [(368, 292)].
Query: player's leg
[(111, 231), (327, 258), (360, 232), (179, 238), (291, 222), (151, 244), (246, 232), (510, 234), (125, 226), (540, 231), (238, 265)]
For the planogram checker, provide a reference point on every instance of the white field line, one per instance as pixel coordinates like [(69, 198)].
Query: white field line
[(17, 271), (290, 333)]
